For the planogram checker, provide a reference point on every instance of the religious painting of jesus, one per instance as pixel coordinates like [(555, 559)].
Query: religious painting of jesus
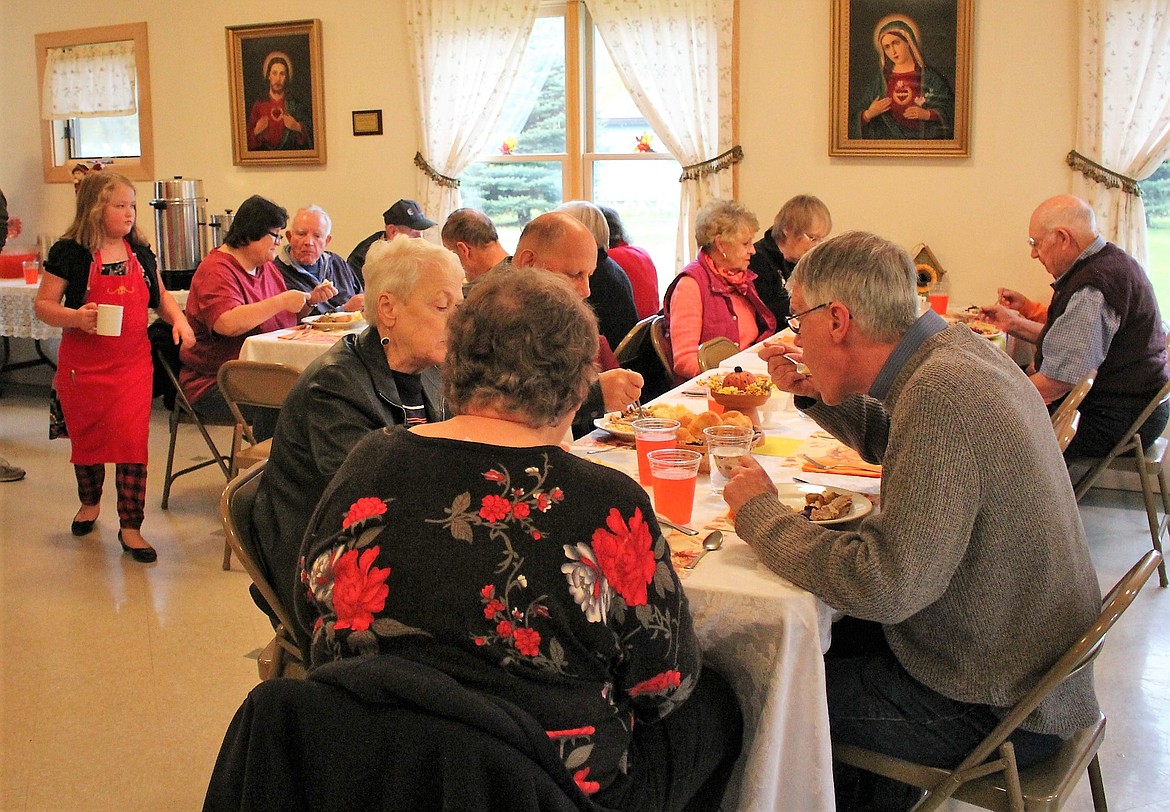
[(277, 97)]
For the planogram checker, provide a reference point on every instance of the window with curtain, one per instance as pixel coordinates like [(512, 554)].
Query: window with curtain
[(95, 99), (571, 131)]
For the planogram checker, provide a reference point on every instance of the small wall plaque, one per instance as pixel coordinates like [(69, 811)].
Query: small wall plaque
[(367, 122)]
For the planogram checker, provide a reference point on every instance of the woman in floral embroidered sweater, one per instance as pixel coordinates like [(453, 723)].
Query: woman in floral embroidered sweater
[(519, 569)]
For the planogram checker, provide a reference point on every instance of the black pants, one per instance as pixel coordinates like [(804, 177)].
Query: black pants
[(683, 762)]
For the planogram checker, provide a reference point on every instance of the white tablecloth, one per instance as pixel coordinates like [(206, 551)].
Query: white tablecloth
[(297, 353), (767, 637), (17, 318)]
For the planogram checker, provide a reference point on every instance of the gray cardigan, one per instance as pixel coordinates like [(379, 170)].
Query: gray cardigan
[(977, 564), (339, 399)]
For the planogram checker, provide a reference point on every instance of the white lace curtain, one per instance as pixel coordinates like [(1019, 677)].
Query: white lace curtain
[(466, 55), (674, 56), (1124, 109), (89, 81)]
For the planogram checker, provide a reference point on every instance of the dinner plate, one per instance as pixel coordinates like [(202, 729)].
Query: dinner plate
[(316, 323), (623, 431), (792, 495)]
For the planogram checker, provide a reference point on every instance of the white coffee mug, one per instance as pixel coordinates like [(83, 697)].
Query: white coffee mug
[(109, 321)]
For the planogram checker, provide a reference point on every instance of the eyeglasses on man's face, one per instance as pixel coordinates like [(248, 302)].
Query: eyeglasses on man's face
[(794, 321)]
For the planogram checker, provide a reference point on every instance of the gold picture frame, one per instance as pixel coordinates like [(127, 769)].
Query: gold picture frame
[(923, 111), (277, 93)]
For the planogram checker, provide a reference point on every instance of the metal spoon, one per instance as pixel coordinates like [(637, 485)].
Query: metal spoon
[(682, 528), (713, 541)]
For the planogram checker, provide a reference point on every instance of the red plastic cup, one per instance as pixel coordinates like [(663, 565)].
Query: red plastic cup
[(31, 268), (673, 472), (939, 302), (650, 434)]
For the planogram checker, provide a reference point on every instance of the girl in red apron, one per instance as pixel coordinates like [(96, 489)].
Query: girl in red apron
[(103, 381)]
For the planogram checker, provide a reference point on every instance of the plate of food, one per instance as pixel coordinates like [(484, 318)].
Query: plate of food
[(334, 321), (621, 424), (822, 505)]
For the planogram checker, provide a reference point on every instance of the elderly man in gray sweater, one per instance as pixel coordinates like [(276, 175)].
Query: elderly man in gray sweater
[(975, 576)]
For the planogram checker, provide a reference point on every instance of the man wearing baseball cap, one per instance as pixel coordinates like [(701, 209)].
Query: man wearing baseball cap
[(404, 217)]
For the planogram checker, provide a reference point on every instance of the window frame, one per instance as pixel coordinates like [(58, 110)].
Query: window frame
[(140, 168), (579, 156)]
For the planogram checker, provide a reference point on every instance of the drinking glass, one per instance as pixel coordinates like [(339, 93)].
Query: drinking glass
[(673, 472), (725, 445), (652, 433)]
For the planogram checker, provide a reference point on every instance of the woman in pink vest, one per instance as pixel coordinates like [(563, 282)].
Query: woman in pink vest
[(714, 295)]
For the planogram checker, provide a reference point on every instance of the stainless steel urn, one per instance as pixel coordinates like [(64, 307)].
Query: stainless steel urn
[(180, 220)]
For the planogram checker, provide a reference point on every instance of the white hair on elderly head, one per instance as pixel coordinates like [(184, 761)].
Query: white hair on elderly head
[(872, 276), (591, 217), (725, 219), (313, 208), (396, 266)]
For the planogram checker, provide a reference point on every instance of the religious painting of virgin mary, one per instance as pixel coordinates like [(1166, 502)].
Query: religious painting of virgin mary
[(277, 98), (901, 77)]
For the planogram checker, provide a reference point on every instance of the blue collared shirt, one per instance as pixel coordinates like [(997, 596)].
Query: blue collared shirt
[(1079, 340), (928, 324)]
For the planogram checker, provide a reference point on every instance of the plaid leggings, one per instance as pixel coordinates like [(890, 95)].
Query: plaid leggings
[(129, 479)]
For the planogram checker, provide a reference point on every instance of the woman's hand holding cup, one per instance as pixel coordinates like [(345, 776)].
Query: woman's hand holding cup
[(87, 316)]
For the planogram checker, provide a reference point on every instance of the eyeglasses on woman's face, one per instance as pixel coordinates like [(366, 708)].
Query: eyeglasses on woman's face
[(794, 321), (276, 237)]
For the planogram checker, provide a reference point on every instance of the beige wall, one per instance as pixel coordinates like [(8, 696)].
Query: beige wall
[(972, 212)]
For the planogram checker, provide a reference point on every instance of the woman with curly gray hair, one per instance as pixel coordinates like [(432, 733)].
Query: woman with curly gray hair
[(524, 572), (714, 295)]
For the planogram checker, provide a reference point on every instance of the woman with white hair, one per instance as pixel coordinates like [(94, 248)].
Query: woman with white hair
[(385, 376), (610, 293), (714, 296)]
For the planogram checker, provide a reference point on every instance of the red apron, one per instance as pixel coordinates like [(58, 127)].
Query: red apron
[(104, 382)]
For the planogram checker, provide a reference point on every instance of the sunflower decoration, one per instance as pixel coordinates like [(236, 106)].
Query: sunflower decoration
[(927, 277)]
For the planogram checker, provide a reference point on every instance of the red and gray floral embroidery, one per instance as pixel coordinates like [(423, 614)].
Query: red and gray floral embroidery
[(350, 591), (510, 627), (574, 747)]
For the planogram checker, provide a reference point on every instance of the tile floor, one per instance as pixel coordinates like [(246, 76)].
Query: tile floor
[(119, 679)]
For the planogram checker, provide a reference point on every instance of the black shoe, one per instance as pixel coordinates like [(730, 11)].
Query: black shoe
[(143, 555), (82, 528)]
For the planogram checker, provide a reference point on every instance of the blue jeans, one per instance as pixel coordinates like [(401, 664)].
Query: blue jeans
[(874, 703)]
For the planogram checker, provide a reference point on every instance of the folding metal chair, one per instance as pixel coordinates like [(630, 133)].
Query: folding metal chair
[(1147, 463), (253, 383), (282, 656), (184, 413), (713, 352), (989, 777)]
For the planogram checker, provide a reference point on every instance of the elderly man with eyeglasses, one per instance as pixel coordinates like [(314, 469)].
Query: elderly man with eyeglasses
[(1103, 316), (951, 613)]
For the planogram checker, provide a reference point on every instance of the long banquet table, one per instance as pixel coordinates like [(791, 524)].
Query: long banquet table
[(295, 347), (764, 634)]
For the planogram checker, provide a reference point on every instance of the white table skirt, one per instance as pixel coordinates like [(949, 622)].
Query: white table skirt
[(296, 353), (17, 317), (767, 637)]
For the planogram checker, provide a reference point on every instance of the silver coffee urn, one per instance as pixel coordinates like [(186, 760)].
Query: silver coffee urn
[(180, 220)]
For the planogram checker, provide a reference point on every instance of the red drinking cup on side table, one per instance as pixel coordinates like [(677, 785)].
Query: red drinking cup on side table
[(651, 433)]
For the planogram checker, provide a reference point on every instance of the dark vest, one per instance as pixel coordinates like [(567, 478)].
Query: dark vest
[(719, 317), (1136, 362)]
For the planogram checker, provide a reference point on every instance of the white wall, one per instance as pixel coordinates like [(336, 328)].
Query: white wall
[(972, 212)]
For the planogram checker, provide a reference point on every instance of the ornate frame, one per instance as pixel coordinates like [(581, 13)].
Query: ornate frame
[(946, 47), (249, 52)]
